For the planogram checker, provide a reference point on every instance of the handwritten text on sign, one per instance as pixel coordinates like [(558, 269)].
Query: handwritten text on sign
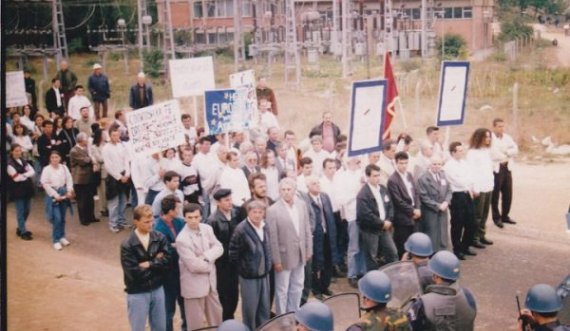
[(155, 128), (191, 77)]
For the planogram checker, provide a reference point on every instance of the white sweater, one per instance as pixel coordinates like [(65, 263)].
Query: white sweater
[(482, 169), (53, 178), (234, 179)]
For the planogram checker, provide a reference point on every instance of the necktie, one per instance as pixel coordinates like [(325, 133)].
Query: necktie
[(437, 179), (323, 220)]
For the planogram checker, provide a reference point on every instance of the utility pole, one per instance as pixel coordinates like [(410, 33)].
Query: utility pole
[(58, 26), (292, 57), (346, 40), (237, 33), (388, 26), (424, 29), (334, 34)]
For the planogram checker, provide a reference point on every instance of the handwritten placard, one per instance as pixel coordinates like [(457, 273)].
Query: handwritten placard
[(155, 128), (15, 89), (191, 77)]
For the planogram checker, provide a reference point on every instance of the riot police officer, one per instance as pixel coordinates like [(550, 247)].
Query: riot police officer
[(232, 325), (446, 305), (376, 291), (418, 249), (543, 304), (314, 316)]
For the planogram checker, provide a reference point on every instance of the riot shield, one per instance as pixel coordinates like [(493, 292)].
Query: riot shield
[(405, 283), (345, 308), (564, 292), (284, 322)]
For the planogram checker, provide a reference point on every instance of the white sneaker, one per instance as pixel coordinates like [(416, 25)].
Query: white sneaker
[(114, 229), (64, 242), (57, 246)]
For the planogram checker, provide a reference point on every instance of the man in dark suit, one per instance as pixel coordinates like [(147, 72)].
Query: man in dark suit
[(47, 143), (374, 216), (224, 222), (30, 84), (82, 173), (406, 200), (140, 95), (435, 196), (325, 251), (54, 99), (251, 166)]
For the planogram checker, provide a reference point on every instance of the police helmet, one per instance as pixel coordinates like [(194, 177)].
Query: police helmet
[(445, 265), (376, 286), (419, 244), (315, 316), (542, 298)]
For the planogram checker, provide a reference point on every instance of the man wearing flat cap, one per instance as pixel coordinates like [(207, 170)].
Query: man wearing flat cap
[(224, 222), (98, 85)]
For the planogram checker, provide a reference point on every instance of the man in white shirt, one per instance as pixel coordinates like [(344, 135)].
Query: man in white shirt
[(171, 181), (317, 154), (234, 179), (503, 150), (306, 170), (462, 220), (190, 132), (116, 162), (434, 138), (77, 102), (291, 246)]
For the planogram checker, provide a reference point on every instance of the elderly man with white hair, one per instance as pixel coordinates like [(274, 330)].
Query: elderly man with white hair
[(140, 95), (82, 166), (291, 246), (423, 158)]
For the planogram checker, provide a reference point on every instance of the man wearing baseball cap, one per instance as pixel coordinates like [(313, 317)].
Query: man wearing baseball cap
[(99, 88)]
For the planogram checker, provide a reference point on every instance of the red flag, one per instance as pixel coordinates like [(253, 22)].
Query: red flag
[(391, 96)]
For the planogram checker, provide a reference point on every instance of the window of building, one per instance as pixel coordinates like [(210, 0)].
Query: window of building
[(448, 13), (197, 9), (467, 12), (211, 8), (246, 10), (416, 13), (458, 12)]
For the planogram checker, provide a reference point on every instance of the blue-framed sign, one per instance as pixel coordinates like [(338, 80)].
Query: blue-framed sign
[(367, 111), (225, 110), (452, 93)]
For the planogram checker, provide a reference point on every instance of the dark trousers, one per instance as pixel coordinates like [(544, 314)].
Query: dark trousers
[(97, 105), (171, 296), (462, 221), (341, 236), (85, 203), (401, 234), (228, 290), (369, 249), (322, 278), (271, 288), (504, 189), (307, 285)]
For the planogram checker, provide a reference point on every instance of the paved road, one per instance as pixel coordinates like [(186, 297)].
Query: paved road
[(81, 287), (563, 49)]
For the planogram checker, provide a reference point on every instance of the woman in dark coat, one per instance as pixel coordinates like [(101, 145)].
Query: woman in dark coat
[(67, 136), (21, 188)]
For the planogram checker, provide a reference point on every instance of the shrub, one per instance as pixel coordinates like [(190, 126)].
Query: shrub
[(455, 47), (153, 62)]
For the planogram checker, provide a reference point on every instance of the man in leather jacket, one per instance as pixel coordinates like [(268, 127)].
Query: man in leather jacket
[(145, 257)]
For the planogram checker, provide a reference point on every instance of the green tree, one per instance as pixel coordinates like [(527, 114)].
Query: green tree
[(513, 27), (454, 47)]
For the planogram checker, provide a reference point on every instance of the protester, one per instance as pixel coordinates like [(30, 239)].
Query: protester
[(20, 137), (171, 181), (272, 174), (328, 131), (68, 138), (54, 101), (98, 85), (82, 168), (145, 258), (58, 185), (189, 179), (234, 179), (317, 154), (140, 94), (77, 102), (21, 188), (266, 96), (68, 81)]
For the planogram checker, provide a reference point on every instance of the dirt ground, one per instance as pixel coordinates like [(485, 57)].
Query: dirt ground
[(81, 287)]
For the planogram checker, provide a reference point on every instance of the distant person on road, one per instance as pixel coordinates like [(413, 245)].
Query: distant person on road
[(145, 258), (140, 95)]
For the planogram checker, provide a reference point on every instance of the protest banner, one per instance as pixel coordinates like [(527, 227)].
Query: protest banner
[(15, 89), (452, 93), (225, 110), (246, 80), (191, 77), (155, 128), (367, 111)]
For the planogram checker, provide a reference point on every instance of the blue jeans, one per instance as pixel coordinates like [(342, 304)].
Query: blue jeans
[(150, 304), (356, 265), (116, 208), (206, 206), (55, 213), (171, 296), (22, 212)]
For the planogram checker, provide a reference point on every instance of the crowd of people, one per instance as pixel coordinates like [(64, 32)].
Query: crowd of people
[(253, 214)]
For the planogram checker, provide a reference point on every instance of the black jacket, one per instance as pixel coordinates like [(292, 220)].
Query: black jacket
[(137, 279), (224, 229), (134, 100), (51, 102), (318, 130), (251, 256), (45, 147), (403, 206), (367, 213)]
